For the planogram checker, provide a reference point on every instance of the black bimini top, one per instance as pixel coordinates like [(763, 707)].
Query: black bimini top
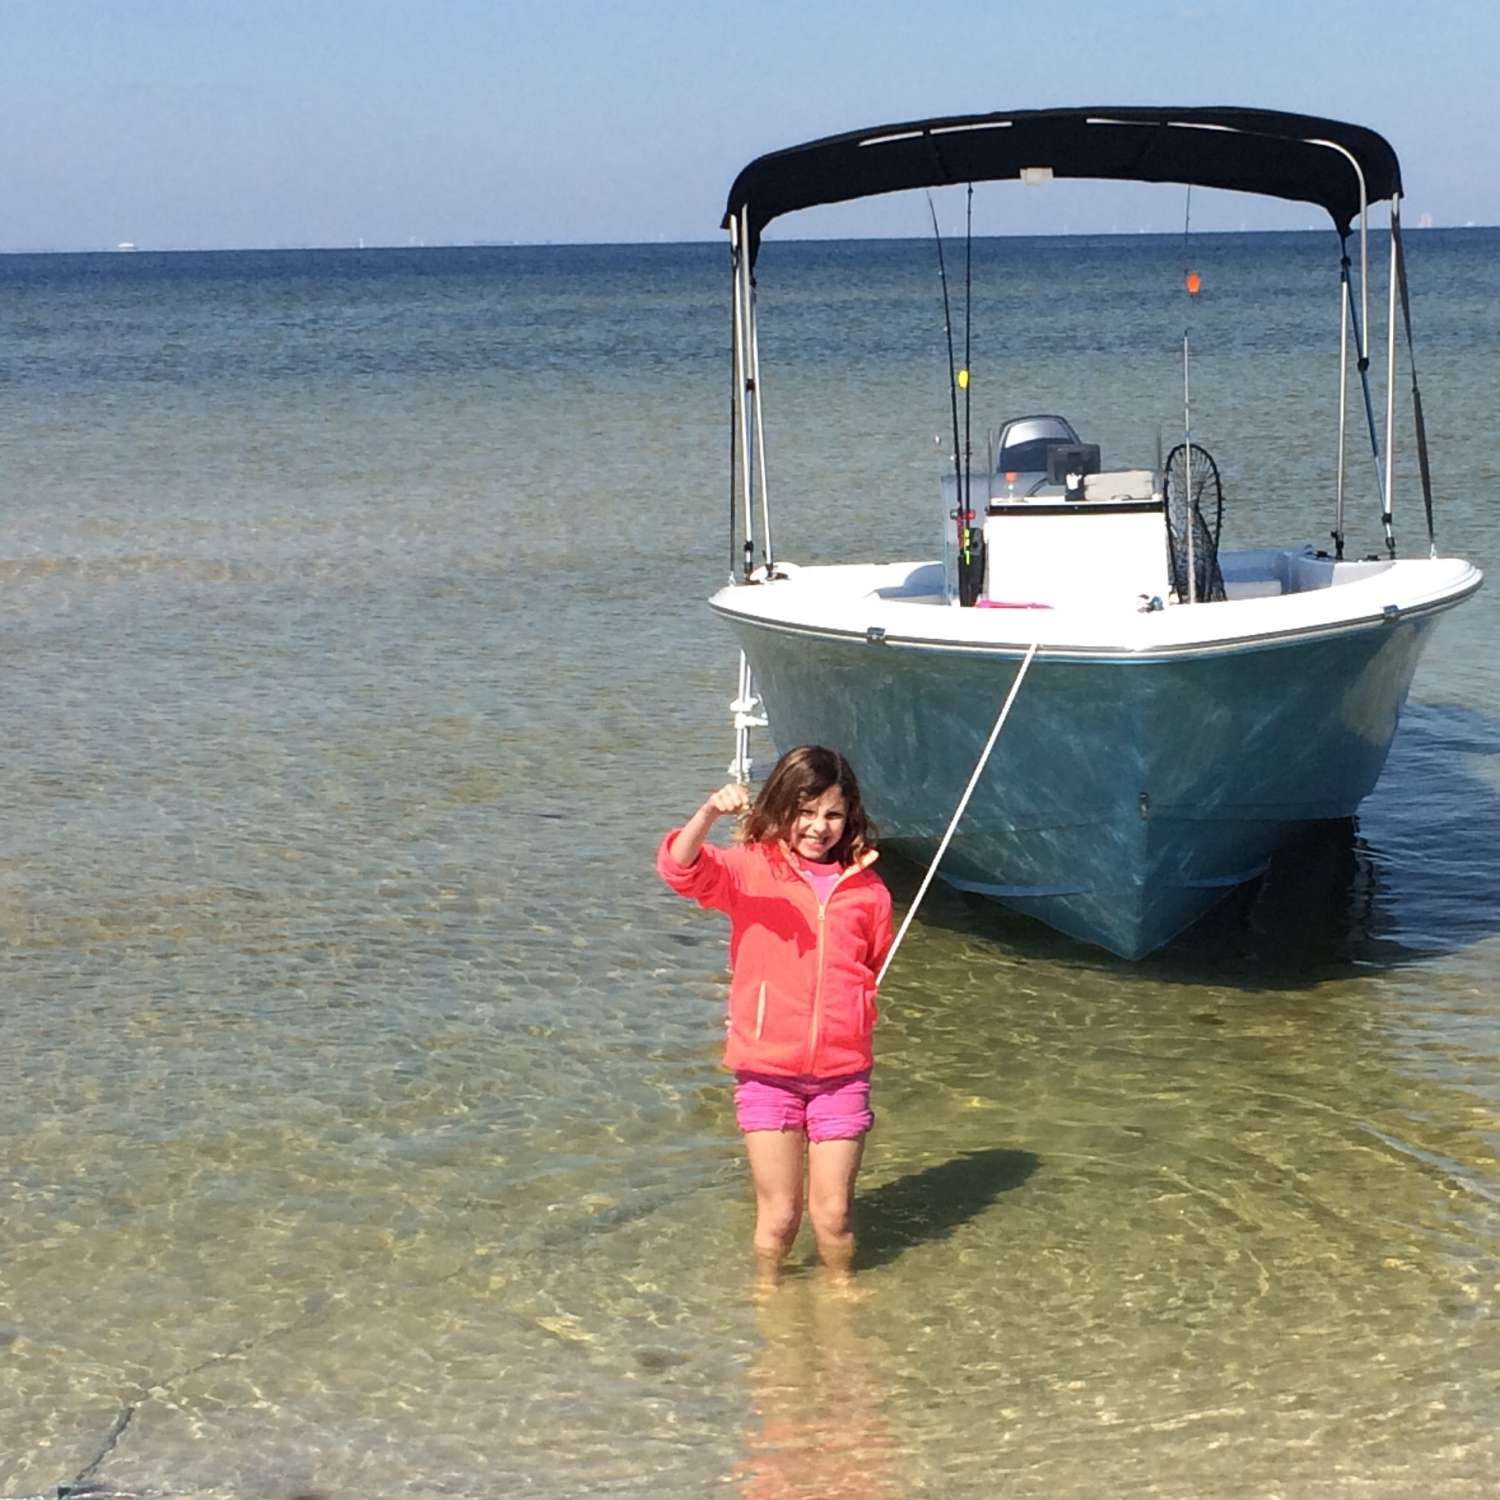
[(1301, 157)]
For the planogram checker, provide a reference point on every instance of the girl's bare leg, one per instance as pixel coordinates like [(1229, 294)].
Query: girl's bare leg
[(832, 1167), (776, 1165)]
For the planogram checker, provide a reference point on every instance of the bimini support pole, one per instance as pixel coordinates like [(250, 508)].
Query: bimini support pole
[(760, 429), (1362, 364), (742, 453), (1189, 498), (1346, 316), (1387, 513), (734, 386), (1361, 331), (1338, 501), (1418, 421), (744, 384), (958, 812)]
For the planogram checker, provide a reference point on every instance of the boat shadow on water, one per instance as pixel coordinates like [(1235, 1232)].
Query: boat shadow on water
[(1416, 876)]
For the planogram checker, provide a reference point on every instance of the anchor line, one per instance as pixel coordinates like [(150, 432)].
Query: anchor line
[(963, 803)]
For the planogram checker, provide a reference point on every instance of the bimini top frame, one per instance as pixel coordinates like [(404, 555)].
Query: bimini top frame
[(1299, 157), (1339, 167)]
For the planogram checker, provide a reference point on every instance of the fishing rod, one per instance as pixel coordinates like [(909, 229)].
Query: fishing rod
[(962, 515)]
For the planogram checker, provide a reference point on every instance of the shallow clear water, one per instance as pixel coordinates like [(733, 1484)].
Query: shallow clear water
[(361, 1113)]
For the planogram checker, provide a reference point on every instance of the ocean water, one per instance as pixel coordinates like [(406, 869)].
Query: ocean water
[(360, 1117)]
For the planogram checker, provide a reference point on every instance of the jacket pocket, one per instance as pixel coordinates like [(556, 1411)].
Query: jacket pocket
[(750, 1012)]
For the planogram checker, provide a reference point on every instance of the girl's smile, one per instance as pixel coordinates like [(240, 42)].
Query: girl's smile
[(819, 825)]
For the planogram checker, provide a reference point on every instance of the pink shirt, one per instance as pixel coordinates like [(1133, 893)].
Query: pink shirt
[(822, 878)]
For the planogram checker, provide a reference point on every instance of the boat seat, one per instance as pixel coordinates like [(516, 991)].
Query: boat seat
[(1121, 484), (1059, 554)]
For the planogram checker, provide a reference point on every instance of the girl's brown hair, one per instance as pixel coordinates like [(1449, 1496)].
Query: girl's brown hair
[(799, 777)]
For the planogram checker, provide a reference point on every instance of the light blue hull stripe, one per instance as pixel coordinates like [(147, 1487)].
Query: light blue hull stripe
[(1123, 799)]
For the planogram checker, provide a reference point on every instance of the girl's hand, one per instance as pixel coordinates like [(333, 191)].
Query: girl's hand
[(731, 798), (728, 799)]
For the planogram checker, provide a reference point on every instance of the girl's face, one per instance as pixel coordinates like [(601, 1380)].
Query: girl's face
[(819, 825)]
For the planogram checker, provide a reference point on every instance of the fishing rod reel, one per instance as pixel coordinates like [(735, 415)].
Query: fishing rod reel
[(970, 562)]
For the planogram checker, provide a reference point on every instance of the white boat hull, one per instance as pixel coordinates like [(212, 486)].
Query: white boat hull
[(1184, 708), (1133, 786)]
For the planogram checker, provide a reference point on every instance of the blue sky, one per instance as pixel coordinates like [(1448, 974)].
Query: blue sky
[(223, 123)]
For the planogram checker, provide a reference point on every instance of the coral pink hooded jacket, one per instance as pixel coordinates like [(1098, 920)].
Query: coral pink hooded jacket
[(802, 991)]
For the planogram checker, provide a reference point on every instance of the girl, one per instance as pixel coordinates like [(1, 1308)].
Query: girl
[(810, 925)]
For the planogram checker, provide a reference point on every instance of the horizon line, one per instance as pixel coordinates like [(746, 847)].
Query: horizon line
[(126, 247)]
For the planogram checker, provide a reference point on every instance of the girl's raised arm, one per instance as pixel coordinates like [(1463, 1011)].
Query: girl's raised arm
[(732, 798)]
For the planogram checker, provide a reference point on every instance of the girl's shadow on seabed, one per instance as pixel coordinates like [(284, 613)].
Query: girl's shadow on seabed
[(929, 1205)]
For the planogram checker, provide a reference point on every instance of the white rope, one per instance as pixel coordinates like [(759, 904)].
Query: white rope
[(963, 802)]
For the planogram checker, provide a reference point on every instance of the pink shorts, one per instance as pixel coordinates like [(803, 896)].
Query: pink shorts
[(825, 1109)]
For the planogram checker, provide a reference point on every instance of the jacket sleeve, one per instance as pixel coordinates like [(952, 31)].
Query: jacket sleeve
[(709, 880), (880, 944)]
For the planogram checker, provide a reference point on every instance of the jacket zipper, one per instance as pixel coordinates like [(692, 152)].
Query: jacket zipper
[(817, 1006), (760, 1011)]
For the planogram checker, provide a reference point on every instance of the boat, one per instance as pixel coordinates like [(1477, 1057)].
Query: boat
[(1177, 709)]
